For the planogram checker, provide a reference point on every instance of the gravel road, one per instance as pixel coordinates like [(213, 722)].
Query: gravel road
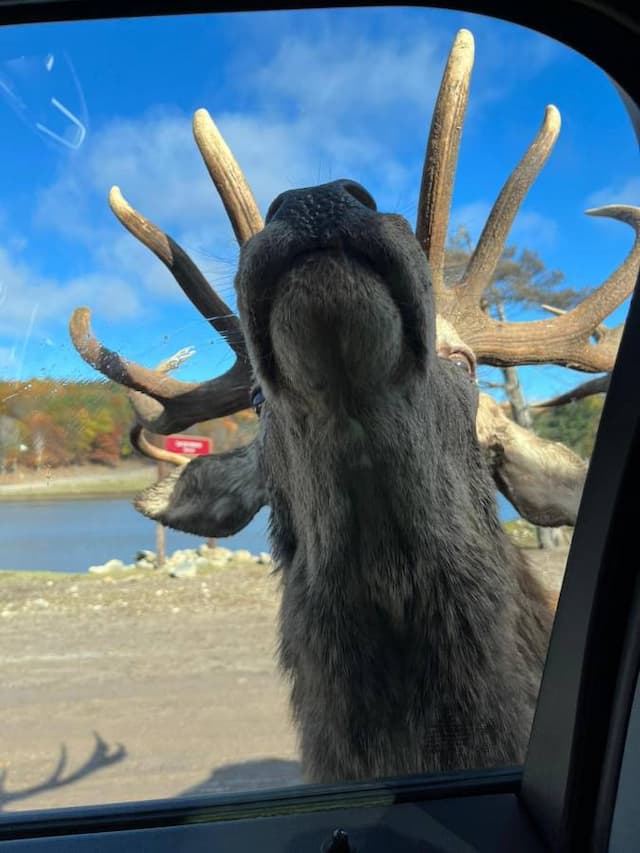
[(145, 685)]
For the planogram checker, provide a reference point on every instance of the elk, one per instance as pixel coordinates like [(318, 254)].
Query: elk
[(412, 629)]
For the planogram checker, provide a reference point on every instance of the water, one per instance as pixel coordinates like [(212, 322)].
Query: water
[(70, 536)]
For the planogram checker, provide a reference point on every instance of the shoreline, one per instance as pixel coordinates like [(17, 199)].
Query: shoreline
[(78, 495), (78, 483)]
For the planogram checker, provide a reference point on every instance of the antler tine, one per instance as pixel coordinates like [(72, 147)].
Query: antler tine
[(599, 385), (146, 408), (134, 376), (138, 435), (186, 273), (565, 339), (141, 442), (598, 333), (228, 178), (620, 284), (441, 156), (491, 244), (163, 404)]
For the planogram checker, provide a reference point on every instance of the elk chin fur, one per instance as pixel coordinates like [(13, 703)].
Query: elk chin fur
[(336, 332)]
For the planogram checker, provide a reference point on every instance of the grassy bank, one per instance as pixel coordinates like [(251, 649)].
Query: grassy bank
[(70, 484)]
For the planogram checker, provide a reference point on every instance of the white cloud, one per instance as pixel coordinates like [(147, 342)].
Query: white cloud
[(331, 103), (627, 192), (32, 303), (506, 59), (166, 181), (155, 162), (530, 229), (343, 75)]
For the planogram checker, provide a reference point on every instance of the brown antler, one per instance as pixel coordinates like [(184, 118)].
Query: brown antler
[(564, 340), (441, 156), (143, 444), (600, 385), (542, 479), (164, 404), (140, 439), (186, 273), (227, 176)]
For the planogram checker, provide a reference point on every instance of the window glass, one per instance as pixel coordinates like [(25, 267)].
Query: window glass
[(393, 615)]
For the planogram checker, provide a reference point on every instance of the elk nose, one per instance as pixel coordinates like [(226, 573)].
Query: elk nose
[(319, 206)]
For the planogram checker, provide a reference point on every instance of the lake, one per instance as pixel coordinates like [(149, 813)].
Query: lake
[(70, 536)]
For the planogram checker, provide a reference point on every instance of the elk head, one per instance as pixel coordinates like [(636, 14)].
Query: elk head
[(389, 338)]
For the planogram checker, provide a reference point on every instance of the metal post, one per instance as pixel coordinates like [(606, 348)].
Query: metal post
[(161, 531)]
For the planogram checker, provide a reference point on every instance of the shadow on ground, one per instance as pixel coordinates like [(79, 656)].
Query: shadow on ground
[(102, 756), (249, 776)]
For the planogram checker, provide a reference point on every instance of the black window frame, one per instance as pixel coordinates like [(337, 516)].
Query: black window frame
[(563, 798)]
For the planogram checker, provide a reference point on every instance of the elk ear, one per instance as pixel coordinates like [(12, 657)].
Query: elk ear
[(211, 496), (542, 479)]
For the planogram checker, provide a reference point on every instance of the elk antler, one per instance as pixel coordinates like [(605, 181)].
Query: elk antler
[(600, 385), (138, 436), (164, 404), (564, 340), (143, 444), (442, 155), (542, 479)]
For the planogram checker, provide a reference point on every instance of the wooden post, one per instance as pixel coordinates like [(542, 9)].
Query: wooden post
[(161, 531)]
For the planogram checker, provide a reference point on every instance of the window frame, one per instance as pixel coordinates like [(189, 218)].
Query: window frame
[(567, 789)]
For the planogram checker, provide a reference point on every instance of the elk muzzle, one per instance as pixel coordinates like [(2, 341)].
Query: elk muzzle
[(333, 296)]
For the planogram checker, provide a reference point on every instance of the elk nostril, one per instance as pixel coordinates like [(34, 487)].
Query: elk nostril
[(358, 192), (274, 207)]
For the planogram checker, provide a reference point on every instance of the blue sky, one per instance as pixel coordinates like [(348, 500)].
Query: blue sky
[(302, 98)]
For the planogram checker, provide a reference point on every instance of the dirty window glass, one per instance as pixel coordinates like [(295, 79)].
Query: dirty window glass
[(325, 542)]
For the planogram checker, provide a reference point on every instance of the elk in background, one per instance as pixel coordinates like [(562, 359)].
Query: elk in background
[(413, 630)]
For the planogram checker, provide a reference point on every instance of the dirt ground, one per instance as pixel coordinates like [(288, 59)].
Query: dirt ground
[(144, 686)]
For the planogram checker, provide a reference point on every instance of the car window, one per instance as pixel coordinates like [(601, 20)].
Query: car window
[(322, 542)]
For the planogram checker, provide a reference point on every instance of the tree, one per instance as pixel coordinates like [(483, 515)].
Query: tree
[(105, 449), (521, 280), (46, 442), (9, 442), (575, 424)]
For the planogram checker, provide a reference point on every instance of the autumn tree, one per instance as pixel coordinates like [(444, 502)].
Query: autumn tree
[(63, 423), (47, 446), (9, 442)]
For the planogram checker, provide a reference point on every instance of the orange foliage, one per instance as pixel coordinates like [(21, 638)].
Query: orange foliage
[(64, 423)]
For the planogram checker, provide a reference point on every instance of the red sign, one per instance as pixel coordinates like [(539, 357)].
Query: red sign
[(188, 445)]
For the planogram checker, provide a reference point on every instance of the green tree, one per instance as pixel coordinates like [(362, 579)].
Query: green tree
[(575, 424)]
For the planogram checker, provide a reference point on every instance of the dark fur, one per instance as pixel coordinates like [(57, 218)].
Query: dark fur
[(412, 630)]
